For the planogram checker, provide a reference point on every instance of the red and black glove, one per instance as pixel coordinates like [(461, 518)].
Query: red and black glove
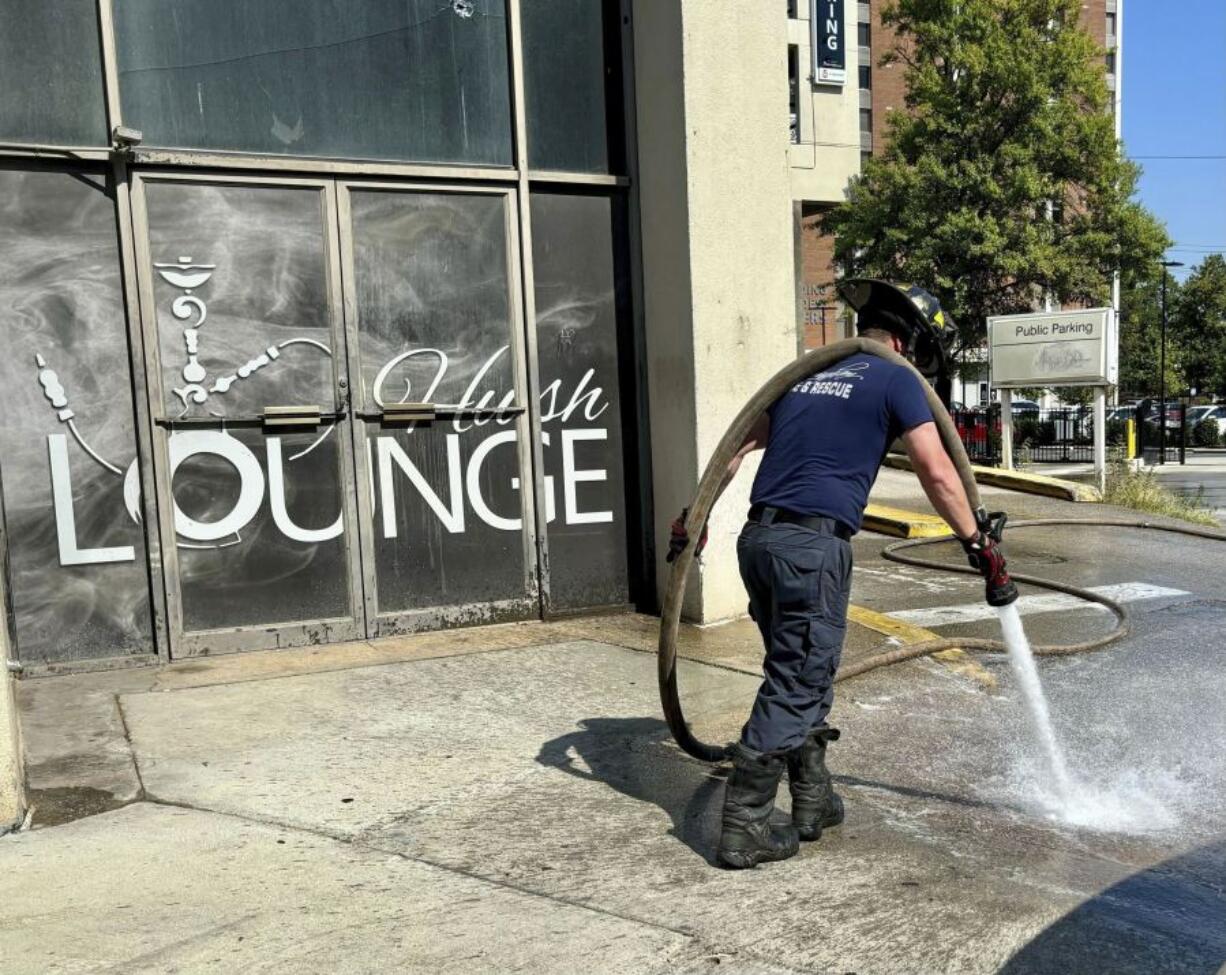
[(678, 537), (984, 554)]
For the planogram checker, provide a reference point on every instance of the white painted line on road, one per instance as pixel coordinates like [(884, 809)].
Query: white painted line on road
[(1127, 592)]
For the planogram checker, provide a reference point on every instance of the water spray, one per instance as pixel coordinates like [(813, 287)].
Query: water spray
[(1021, 661)]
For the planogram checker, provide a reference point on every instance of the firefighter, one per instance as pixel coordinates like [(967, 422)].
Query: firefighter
[(824, 442)]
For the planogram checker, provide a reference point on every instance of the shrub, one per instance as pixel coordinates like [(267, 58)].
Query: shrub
[(1025, 430), (1206, 434), (1117, 432), (1141, 491)]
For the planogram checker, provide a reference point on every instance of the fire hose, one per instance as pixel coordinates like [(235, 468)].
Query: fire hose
[(704, 500)]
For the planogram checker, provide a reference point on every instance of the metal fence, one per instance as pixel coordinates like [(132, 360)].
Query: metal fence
[(1158, 445), (1067, 435)]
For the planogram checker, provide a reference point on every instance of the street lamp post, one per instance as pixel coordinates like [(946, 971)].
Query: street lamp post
[(1162, 369)]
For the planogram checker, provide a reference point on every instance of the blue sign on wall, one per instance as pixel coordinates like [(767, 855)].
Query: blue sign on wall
[(829, 43)]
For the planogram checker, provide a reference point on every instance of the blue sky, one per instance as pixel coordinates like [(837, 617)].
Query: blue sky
[(1175, 105)]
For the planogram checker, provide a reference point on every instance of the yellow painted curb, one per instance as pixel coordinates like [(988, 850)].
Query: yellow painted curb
[(904, 524), (909, 634), (1023, 481)]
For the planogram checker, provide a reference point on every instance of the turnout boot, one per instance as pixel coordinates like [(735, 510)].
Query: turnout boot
[(748, 836), (815, 806)]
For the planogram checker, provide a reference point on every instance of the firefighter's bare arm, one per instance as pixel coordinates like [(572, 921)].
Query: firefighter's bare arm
[(754, 440), (939, 478)]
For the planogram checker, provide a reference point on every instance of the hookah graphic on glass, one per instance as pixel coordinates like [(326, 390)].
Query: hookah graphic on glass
[(187, 276)]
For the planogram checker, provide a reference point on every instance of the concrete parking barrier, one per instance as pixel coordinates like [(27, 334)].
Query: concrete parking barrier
[(1022, 481), (900, 523)]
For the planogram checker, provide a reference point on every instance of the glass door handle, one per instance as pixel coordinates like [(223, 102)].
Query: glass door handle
[(272, 416), (292, 416), (393, 414)]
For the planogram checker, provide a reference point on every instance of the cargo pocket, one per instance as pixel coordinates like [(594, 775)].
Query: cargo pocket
[(796, 576), (836, 585), (824, 648)]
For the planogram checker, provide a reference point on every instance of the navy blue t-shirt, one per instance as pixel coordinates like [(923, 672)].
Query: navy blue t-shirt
[(829, 435)]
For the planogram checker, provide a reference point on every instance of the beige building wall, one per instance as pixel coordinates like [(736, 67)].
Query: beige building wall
[(823, 162), (717, 249), (828, 154)]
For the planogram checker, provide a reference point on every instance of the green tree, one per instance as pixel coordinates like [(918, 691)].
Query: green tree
[(1007, 110), (1141, 333), (1075, 395), (1198, 320)]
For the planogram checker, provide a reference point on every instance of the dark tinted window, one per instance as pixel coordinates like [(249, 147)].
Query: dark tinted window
[(580, 311), (51, 73), (77, 578), (414, 80), (573, 82)]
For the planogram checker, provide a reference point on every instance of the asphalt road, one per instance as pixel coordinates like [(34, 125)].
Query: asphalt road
[(1142, 724), (1203, 477)]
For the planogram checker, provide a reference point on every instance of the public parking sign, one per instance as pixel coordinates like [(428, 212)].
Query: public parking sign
[(1064, 348)]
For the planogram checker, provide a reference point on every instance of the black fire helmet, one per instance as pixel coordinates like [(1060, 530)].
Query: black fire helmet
[(911, 313)]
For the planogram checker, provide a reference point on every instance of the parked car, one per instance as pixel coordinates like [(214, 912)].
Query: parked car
[(1198, 414), (1025, 406)]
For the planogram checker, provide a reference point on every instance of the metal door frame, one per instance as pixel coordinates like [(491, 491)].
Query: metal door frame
[(526, 425), (184, 643)]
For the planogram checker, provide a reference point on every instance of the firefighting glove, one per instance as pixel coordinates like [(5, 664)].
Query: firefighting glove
[(983, 553), (678, 537)]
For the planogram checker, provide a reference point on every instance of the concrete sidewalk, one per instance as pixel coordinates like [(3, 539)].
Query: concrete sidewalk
[(523, 809)]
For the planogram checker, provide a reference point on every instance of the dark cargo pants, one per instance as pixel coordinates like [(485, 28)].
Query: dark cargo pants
[(798, 580)]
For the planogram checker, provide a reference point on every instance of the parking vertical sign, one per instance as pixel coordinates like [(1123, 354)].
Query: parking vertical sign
[(829, 43)]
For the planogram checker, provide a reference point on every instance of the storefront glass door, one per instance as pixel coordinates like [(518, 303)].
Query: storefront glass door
[(437, 359), (249, 394)]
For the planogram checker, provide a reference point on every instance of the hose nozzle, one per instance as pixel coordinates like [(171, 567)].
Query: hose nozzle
[(987, 558), (992, 524)]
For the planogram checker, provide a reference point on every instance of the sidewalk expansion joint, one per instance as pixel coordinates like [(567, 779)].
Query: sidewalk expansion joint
[(141, 793), (368, 847)]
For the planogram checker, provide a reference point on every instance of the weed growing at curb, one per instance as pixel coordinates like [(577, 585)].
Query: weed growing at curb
[(1140, 491)]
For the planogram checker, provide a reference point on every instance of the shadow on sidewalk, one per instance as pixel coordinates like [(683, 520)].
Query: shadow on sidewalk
[(636, 757), (1168, 918), (928, 794)]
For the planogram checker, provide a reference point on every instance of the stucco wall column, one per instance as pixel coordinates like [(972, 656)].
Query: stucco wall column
[(717, 246)]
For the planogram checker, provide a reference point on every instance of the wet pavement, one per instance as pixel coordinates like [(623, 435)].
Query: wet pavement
[(1202, 479), (517, 804)]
